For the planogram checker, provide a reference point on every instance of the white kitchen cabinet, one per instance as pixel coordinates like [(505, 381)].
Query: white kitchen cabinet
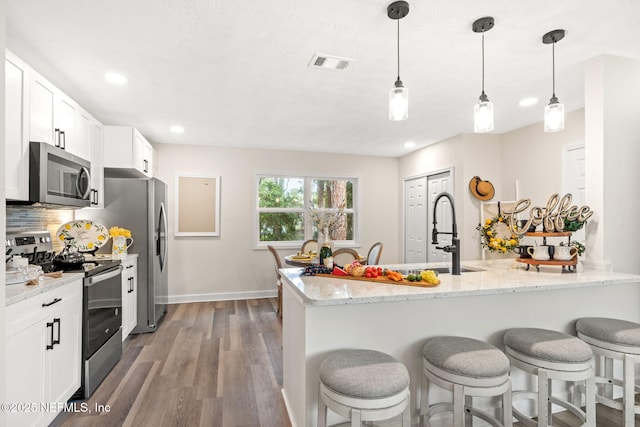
[(16, 128), (43, 342), (55, 118), (129, 295), (97, 164), (127, 153)]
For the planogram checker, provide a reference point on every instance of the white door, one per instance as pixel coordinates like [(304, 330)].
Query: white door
[(436, 184), (574, 174), (415, 225), (420, 195)]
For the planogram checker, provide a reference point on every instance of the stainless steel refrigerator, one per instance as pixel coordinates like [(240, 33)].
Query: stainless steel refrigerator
[(139, 205)]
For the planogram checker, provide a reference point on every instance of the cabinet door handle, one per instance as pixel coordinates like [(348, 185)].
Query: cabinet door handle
[(63, 143), (56, 142), (50, 346), (130, 285), (146, 166), (54, 342), (56, 300)]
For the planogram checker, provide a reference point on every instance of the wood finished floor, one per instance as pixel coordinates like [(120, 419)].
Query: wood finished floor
[(208, 364), (214, 364)]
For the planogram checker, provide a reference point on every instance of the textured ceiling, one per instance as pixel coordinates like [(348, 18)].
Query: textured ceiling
[(237, 73)]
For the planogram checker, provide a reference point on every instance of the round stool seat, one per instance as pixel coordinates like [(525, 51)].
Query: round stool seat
[(466, 357), (548, 345), (364, 374), (613, 331)]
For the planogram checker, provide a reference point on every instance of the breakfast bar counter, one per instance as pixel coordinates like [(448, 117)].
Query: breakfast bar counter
[(322, 314)]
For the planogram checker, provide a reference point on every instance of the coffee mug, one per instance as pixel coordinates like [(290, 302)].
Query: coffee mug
[(540, 253), (564, 253), (522, 251)]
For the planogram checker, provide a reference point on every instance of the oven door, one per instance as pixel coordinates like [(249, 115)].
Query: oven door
[(102, 309)]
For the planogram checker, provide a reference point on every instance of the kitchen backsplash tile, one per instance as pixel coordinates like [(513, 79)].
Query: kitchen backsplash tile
[(28, 219)]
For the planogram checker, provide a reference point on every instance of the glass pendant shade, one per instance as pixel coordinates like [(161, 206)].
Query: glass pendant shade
[(554, 117), (483, 116), (399, 103)]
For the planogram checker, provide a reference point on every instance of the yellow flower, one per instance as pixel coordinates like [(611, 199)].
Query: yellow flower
[(101, 237), (117, 231), (503, 249), (87, 226), (489, 232), (512, 242), (488, 221), (90, 245), (500, 219), (67, 226), (61, 236)]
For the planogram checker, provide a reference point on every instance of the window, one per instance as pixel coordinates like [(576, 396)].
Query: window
[(283, 208)]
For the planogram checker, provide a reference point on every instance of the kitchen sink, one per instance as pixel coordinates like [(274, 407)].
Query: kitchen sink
[(440, 270)]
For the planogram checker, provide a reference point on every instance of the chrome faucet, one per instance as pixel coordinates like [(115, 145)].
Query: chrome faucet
[(454, 248)]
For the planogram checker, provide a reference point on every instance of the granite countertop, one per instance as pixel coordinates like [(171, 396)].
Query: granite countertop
[(498, 276), (17, 293)]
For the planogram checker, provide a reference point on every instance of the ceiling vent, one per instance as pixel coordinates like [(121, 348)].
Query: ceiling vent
[(329, 62)]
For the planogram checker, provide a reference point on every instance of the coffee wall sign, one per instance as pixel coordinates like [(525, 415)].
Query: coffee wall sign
[(551, 217)]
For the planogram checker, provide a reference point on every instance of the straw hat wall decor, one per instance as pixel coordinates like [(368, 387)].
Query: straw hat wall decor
[(481, 190)]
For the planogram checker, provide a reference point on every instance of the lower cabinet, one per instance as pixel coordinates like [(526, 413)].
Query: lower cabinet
[(129, 295), (43, 356)]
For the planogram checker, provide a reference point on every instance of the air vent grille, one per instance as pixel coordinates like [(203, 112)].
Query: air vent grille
[(330, 62)]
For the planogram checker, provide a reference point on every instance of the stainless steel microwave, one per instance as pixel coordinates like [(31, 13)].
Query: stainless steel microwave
[(57, 178)]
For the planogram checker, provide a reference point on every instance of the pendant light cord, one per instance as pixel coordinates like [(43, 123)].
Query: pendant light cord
[(483, 61), (553, 65), (398, 40)]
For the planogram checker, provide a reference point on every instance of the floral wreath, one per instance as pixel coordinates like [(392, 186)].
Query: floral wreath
[(490, 239)]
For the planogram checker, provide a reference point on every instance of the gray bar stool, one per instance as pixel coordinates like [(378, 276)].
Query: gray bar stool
[(614, 339), (551, 355), (466, 367), (363, 385)]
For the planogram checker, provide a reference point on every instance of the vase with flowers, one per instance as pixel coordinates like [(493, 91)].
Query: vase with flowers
[(122, 241), (325, 220)]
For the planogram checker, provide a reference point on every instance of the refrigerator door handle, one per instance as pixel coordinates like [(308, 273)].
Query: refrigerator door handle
[(162, 237)]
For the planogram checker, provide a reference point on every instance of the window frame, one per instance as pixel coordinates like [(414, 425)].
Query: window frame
[(307, 225)]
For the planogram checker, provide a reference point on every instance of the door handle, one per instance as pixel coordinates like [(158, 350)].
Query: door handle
[(56, 141), (146, 166), (54, 342), (63, 143), (56, 300), (50, 325)]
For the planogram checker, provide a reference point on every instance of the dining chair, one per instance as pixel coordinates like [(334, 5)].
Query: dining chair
[(373, 257), (345, 256), (309, 245), (278, 266)]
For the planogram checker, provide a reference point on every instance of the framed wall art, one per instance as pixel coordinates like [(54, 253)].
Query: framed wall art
[(197, 204)]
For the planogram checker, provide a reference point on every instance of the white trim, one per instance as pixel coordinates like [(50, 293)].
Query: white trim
[(287, 405), (565, 154), (221, 296)]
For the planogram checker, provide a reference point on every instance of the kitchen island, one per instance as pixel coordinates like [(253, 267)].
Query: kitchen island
[(322, 314)]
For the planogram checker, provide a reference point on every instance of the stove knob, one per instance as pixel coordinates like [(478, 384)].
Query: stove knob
[(43, 239)]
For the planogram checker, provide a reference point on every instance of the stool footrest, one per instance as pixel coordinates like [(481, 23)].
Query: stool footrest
[(532, 395), (444, 407)]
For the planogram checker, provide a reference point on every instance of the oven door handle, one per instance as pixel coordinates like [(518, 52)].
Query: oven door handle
[(102, 277)]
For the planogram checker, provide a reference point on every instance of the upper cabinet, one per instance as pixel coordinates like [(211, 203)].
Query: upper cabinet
[(55, 118), (35, 110), (127, 153), (16, 128)]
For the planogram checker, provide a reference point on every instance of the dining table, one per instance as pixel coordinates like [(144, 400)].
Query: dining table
[(304, 260)]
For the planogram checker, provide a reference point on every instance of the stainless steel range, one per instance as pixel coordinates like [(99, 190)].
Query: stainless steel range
[(101, 307)]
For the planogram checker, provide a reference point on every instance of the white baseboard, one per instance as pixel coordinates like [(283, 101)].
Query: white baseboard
[(221, 296)]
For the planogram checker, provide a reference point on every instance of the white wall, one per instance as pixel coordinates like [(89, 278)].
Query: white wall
[(612, 104), (533, 158), (3, 32), (229, 266)]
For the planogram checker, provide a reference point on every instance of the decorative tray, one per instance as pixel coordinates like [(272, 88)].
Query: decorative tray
[(380, 279), (86, 235)]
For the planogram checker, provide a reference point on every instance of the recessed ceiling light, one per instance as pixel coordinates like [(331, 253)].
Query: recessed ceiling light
[(176, 129), (527, 102), (115, 78), (409, 144)]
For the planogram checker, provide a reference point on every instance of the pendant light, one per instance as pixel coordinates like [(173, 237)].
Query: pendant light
[(554, 112), (399, 95), (483, 110)]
